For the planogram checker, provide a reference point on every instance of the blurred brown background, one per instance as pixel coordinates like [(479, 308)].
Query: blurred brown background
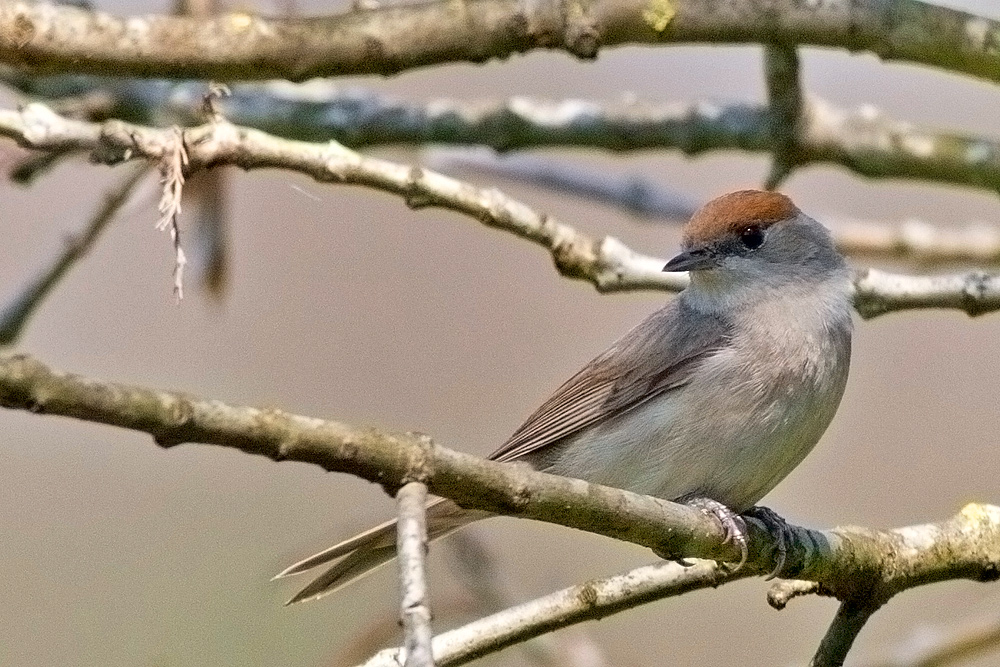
[(346, 304)]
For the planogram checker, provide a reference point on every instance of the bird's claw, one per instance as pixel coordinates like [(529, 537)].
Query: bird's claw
[(733, 525), (779, 530)]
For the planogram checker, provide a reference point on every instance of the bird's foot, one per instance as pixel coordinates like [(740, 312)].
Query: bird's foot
[(732, 524), (779, 529)]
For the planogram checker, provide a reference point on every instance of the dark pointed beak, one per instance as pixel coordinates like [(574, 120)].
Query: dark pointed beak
[(692, 260)]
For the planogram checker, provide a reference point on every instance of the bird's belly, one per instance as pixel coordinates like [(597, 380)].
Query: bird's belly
[(732, 446)]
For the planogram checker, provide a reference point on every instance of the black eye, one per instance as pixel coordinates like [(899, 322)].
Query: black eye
[(752, 237)]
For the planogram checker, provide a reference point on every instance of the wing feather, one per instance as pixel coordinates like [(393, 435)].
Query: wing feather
[(654, 357)]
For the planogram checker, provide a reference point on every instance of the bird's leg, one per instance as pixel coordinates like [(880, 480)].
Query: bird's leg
[(779, 530), (732, 523)]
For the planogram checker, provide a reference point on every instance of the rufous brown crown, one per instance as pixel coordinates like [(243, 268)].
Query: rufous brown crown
[(731, 213)]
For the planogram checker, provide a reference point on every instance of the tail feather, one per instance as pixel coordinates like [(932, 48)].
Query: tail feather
[(379, 536), (365, 552), (356, 565)]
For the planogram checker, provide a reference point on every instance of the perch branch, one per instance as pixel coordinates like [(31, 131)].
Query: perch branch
[(853, 564), (238, 46), (606, 263)]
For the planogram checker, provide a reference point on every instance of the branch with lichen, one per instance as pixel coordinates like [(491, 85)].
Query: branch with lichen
[(861, 567), (907, 564), (385, 40), (606, 263), (863, 140)]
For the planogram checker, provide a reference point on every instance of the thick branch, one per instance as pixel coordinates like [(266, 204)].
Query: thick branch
[(241, 46), (606, 263), (393, 459), (389, 459)]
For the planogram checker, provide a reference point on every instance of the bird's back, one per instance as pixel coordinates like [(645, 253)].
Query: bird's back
[(736, 426)]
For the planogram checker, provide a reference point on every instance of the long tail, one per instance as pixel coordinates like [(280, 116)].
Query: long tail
[(363, 553)]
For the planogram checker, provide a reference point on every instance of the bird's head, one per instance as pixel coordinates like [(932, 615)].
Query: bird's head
[(754, 238)]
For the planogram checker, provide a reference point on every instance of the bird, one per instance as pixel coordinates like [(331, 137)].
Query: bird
[(710, 401)]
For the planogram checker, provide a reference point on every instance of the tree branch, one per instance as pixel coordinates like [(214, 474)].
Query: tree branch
[(854, 564), (920, 242), (242, 46), (606, 263), (584, 602), (863, 140), (388, 459), (876, 577), (847, 624), (414, 612), (392, 459), (634, 193)]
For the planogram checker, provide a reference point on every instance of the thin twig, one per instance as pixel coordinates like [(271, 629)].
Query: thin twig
[(633, 193), (415, 613), (37, 164), (475, 567), (16, 313), (590, 601), (850, 618)]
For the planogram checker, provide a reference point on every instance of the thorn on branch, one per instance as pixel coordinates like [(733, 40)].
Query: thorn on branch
[(416, 196), (210, 101), (783, 592)]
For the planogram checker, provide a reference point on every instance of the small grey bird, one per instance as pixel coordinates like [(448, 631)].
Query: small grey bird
[(711, 401)]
